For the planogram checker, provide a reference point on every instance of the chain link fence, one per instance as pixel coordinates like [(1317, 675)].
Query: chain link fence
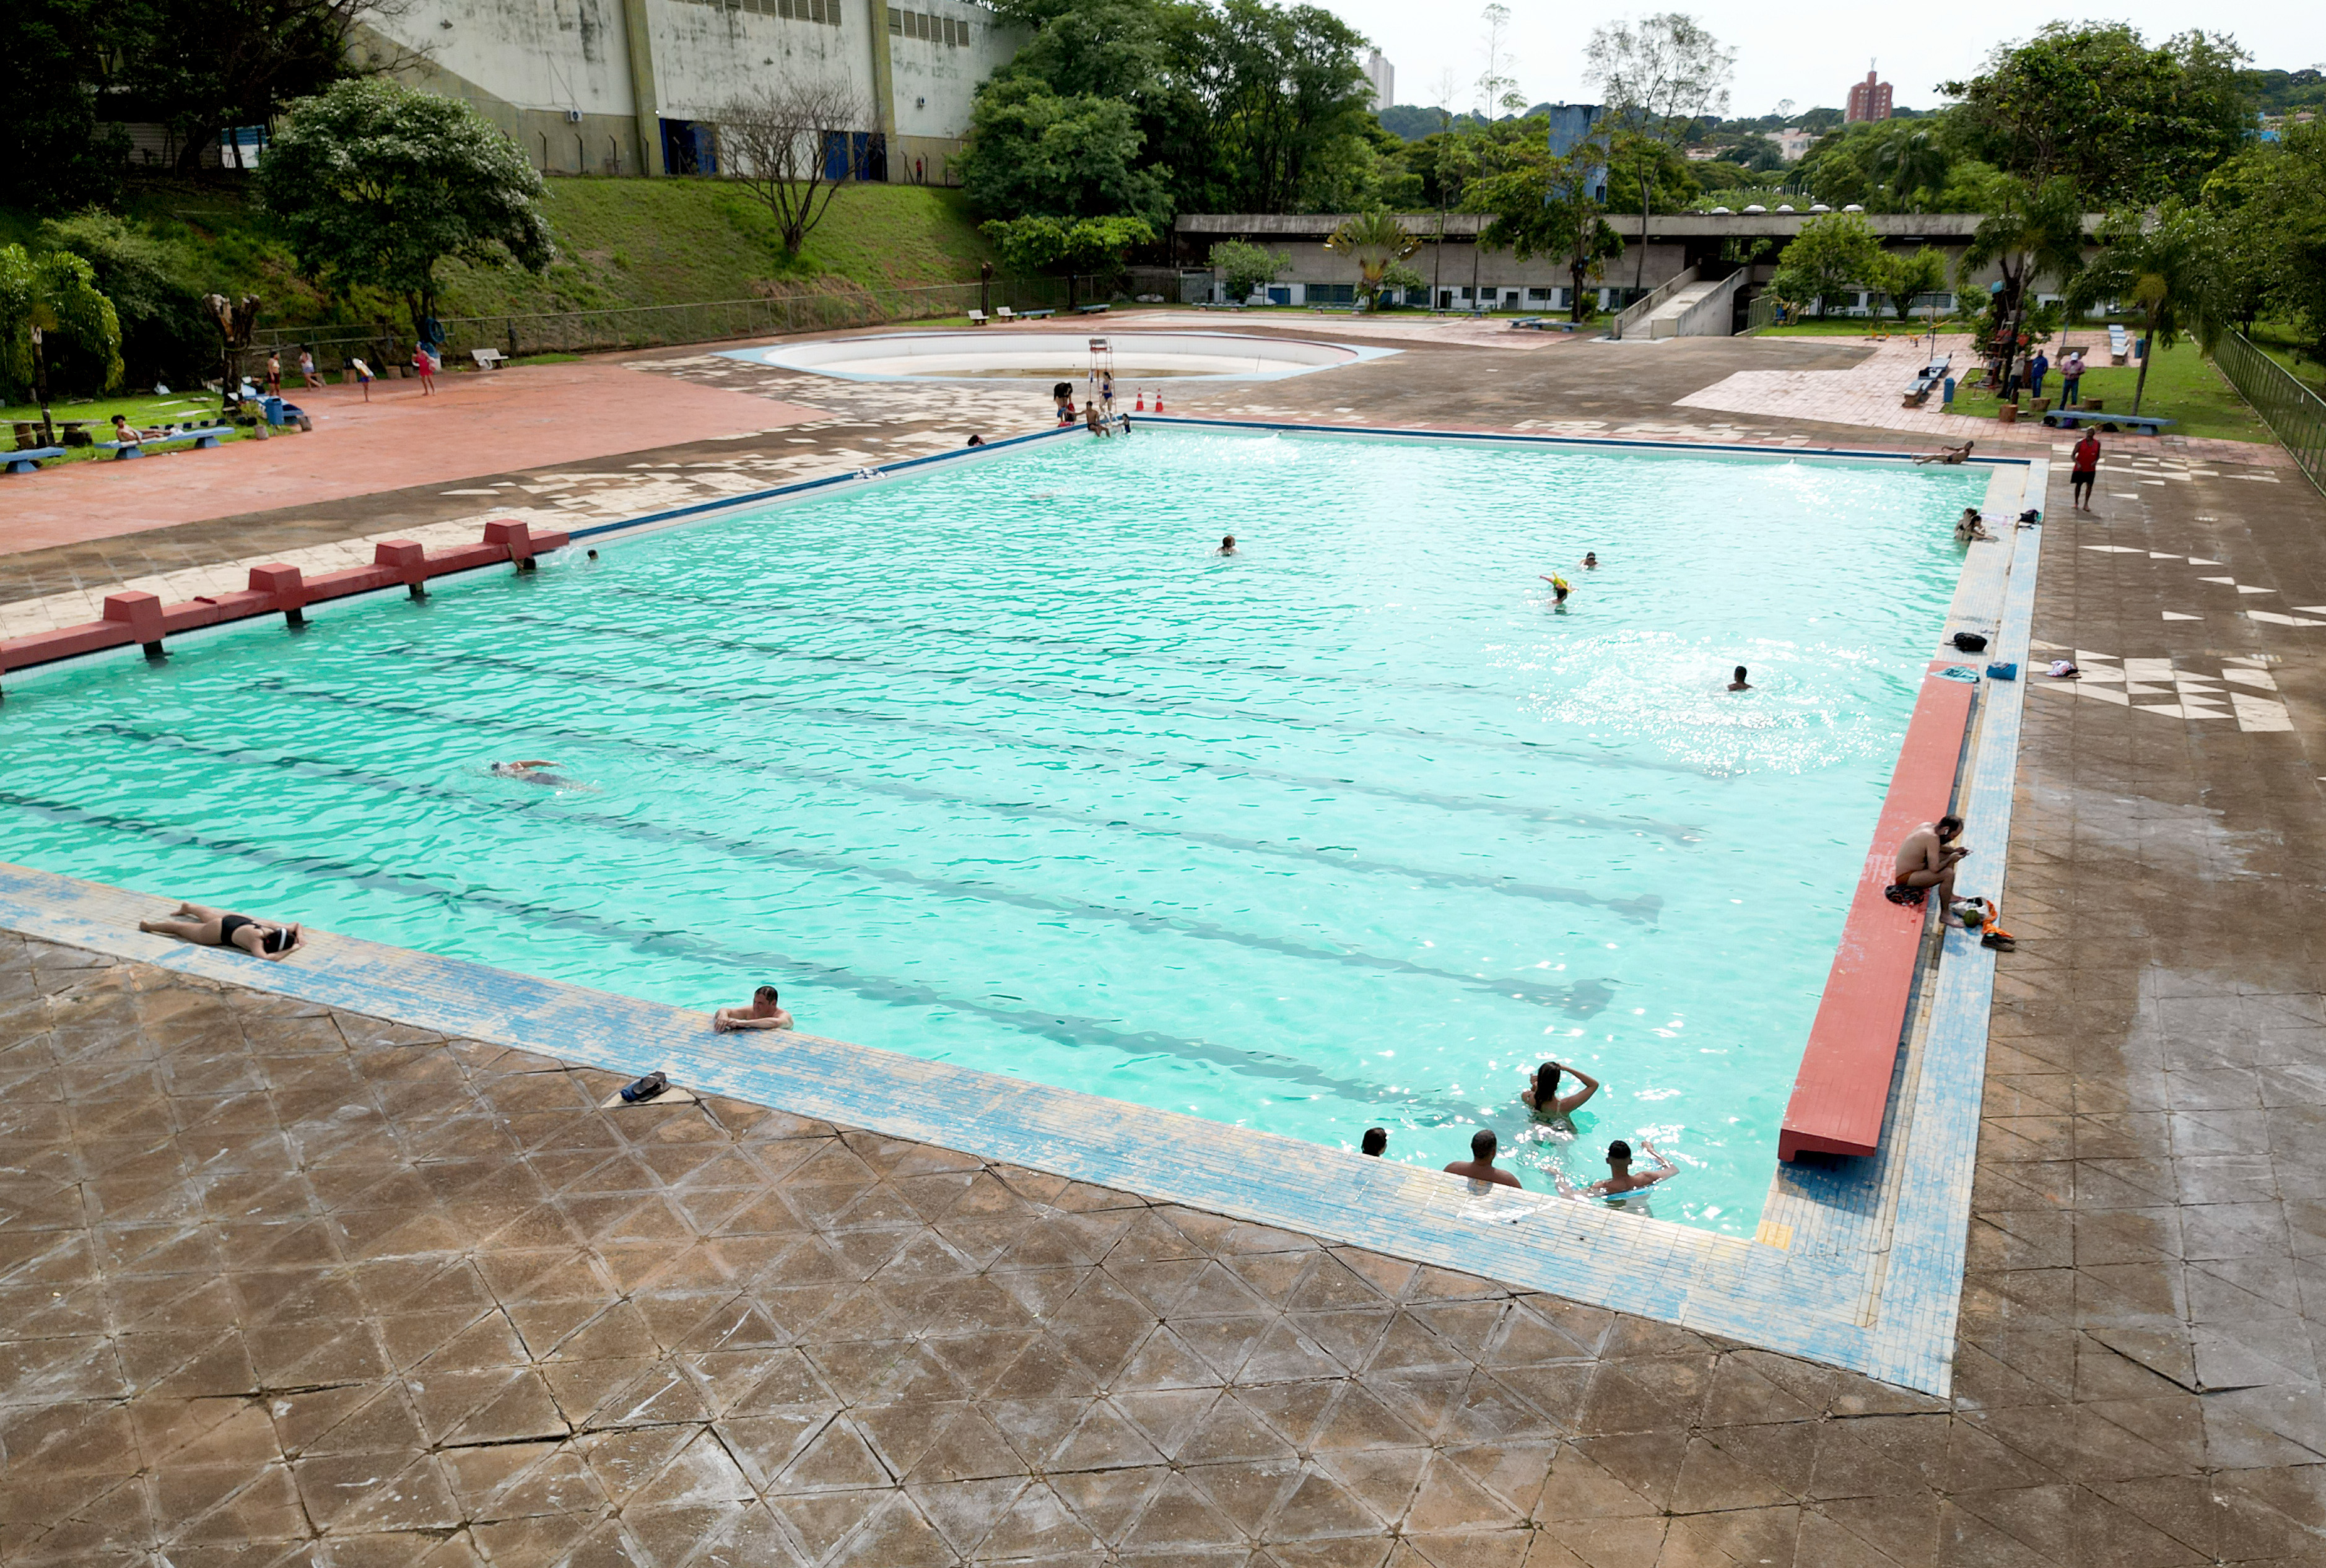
[(2295, 414), (666, 326)]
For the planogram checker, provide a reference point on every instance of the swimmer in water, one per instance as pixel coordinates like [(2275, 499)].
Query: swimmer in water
[(1590, 560), (1559, 589), (1739, 683), (1541, 1091), (1227, 546), (532, 772), (1620, 1178)]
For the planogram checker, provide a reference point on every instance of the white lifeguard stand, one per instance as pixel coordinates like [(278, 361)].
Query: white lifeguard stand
[(1100, 382)]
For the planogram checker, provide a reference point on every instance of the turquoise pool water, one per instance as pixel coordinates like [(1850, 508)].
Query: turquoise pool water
[(999, 765)]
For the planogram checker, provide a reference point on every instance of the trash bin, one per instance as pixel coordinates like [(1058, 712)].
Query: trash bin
[(274, 407), (1947, 395)]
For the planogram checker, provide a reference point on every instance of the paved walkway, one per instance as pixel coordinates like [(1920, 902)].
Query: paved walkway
[(473, 424)]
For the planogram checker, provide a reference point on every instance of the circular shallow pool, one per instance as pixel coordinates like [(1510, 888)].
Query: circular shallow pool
[(1057, 355)]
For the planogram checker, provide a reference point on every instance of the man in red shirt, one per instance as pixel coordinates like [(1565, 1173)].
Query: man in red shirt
[(2083, 470)]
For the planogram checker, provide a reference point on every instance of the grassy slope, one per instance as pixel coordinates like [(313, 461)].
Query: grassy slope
[(620, 242)]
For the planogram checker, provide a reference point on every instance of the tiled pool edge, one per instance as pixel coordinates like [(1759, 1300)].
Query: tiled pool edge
[(1809, 1298)]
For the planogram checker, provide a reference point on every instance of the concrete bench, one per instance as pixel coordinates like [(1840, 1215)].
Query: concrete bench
[(27, 460), (1089, 310), (489, 358), (200, 438), (1843, 1087), (1545, 324), (977, 318), (2076, 418)]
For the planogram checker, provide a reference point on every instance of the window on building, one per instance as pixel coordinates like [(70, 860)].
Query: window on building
[(942, 29), (1541, 296), (826, 11)]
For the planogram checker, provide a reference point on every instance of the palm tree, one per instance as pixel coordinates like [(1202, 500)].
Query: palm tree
[(1905, 162), (2030, 232), (1372, 240), (2161, 262)]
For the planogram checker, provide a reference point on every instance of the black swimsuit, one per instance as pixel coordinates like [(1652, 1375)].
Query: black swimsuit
[(272, 939)]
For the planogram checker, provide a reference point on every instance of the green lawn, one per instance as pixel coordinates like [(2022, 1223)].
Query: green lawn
[(1858, 328), (2183, 385), (144, 410)]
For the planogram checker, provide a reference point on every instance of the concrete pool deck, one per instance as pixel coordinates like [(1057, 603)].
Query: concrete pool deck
[(2134, 1373)]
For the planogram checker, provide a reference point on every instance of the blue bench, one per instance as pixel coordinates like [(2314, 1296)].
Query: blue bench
[(1933, 376), (200, 438), (1545, 324), (27, 460), (1087, 310), (1034, 315), (2075, 418), (1218, 305)]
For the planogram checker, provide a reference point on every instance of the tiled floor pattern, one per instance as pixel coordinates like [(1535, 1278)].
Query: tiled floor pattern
[(290, 1286)]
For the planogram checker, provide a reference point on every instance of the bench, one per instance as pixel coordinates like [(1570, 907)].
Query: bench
[(1931, 376), (1219, 305), (2120, 345), (977, 318), (27, 460), (2075, 418), (200, 438), (1089, 310), (1546, 324), (1843, 1086), (489, 358), (1034, 315), (1335, 310)]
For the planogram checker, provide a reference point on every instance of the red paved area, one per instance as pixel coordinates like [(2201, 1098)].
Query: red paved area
[(474, 425)]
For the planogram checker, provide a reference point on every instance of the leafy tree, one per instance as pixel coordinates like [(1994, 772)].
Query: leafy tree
[(1374, 241), (1032, 151), (1283, 95), (1243, 266), (1833, 252), (376, 184), (1886, 165), (1546, 208), (2094, 102), (166, 333), (203, 67), (1900, 278), (51, 155), (2160, 262), (1400, 279), (51, 314), (1659, 76), (1072, 246), (779, 142), (2029, 232), (2270, 232)]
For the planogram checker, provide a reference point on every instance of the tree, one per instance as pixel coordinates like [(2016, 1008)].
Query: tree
[(2029, 232), (1036, 154), (2160, 263), (1546, 208), (52, 156), (1244, 266), (2269, 205), (1285, 96), (1658, 77), (166, 335), (1085, 246), (376, 184), (1900, 278), (1833, 252), (792, 144), (1373, 240), (51, 311), (203, 67), (2094, 102)]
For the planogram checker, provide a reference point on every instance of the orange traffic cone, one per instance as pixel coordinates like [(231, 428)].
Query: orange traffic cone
[(1158, 400), (1142, 402)]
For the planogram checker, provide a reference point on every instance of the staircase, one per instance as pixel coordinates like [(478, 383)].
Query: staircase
[(1667, 319)]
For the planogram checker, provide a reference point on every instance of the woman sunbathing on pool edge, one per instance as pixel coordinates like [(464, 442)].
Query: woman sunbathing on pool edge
[(206, 927)]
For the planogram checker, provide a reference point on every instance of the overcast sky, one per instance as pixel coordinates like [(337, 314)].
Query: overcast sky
[(1809, 53)]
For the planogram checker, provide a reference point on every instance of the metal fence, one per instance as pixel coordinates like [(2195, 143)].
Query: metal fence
[(2294, 413), (663, 326), (1760, 313)]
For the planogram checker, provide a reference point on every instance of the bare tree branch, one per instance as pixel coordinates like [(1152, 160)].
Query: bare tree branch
[(794, 143)]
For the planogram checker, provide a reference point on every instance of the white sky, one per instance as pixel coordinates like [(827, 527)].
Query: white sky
[(1809, 53)]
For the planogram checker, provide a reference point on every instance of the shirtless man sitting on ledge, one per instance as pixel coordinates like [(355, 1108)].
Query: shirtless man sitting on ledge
[(1928, 860)]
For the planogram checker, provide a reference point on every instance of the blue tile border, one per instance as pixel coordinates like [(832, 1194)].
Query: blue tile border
[(1858, 1263)]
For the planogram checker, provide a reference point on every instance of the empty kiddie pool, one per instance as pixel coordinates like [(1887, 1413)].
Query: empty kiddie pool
[(1057, 356)]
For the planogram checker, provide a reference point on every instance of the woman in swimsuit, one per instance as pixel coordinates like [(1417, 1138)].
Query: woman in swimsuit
[(206, 927), (1541, 1091)]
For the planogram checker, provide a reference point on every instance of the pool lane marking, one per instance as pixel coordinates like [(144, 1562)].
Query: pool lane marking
[(1643, 908), (1063, 1029), (1228, 713), (1581, 998), (1676, 832)]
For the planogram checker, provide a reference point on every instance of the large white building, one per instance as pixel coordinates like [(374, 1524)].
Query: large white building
[(630, 87), (1383, 76)]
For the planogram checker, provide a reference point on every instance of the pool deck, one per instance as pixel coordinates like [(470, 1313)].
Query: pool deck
[(297, 1285)]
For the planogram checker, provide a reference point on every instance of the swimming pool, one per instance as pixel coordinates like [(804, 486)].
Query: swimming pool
[(999, 765)]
